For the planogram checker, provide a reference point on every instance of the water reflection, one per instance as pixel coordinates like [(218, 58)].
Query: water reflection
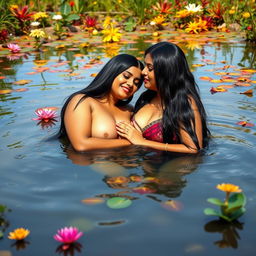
[(20, 245), (48, 124), (69, 249), (228, 230), (162, 174)]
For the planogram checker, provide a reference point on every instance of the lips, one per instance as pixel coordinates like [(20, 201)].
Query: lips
[(126, 89)]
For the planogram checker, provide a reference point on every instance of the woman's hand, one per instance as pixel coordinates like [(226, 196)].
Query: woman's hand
[(127, 131)]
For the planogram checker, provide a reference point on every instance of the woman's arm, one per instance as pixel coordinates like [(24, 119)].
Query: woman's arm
[(135, 137), (78, 120)]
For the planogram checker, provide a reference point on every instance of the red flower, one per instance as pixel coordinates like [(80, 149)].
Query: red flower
[(249, 28), (4, 34), (71, 3), (90, 22), (22, 14), (163, 7)]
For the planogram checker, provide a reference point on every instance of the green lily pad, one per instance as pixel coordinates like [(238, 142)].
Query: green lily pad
[(118, 202)]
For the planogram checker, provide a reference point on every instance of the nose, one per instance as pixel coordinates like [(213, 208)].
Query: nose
[(130, 82), (144, 71)]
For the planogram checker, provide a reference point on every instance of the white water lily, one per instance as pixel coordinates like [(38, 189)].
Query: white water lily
[(57, 17), (194, 8)]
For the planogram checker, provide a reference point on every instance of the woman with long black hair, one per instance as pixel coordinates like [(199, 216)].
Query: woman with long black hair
[(169, 115), (88, 116)]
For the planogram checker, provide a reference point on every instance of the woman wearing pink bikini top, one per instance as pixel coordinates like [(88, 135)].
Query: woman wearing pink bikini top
[(169, 115)]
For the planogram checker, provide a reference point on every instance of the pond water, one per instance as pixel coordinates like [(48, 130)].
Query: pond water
[(44, 185)]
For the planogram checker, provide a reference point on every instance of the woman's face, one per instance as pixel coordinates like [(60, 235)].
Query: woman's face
[(149, 75), (126, 83)]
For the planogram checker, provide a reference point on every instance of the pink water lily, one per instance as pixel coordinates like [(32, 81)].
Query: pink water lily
[(14, 48), (45, 114), (68, 235)]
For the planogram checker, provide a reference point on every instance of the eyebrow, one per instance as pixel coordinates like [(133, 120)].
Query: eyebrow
[(131, 74)]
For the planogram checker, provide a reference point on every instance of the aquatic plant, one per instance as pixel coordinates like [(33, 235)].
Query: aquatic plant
[(19, 234), (14, 48), (68, 235), (233, 205), (45, 114)]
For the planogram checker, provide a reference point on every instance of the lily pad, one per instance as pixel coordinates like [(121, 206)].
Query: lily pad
[(118, 202)]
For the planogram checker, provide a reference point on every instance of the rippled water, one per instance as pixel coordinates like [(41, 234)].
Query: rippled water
[(43, 184)]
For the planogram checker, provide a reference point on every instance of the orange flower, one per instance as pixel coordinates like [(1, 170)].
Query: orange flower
[(226, 187), (19, 234)]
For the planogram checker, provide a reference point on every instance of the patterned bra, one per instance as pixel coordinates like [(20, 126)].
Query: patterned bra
[(152, 131)]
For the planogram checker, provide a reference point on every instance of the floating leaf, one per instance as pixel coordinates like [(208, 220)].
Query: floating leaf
[(143, 190), (216, 81), (111, 223), (22, 82), (93, 200), (242, 84), (217, 89), (243, 79), (172, 205), (5, 91), (220, 73), (1, 234), (21, 90), (245, 124), (206, 78), (197, 65), (248, 92), (118, 202), (118, 180), (136, 178), (229, 80)]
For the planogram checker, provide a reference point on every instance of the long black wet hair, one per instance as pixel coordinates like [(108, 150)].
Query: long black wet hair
[(176, 86), (102, 83)]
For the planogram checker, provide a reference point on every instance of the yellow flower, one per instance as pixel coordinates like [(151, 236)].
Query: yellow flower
[(202, 24), (13, 6), (159, 19), (232, 11), (246, 15), (193, 27), (19, 234), (182, 14), (39, 33), (107, 22), (111, 35), (40, 15), (227, 187)]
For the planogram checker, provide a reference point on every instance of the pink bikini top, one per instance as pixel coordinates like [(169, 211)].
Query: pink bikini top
[(152, 131)]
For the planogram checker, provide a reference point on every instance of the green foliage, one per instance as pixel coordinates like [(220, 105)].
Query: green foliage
[(118, 202), (230, 210), (130, 25), (7, 21), (140, 8)]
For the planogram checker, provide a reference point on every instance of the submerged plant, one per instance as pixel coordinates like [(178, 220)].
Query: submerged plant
[(232, 207), (19, 234)]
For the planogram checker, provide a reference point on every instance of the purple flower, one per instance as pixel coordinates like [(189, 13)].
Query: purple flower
[(68, 235)]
